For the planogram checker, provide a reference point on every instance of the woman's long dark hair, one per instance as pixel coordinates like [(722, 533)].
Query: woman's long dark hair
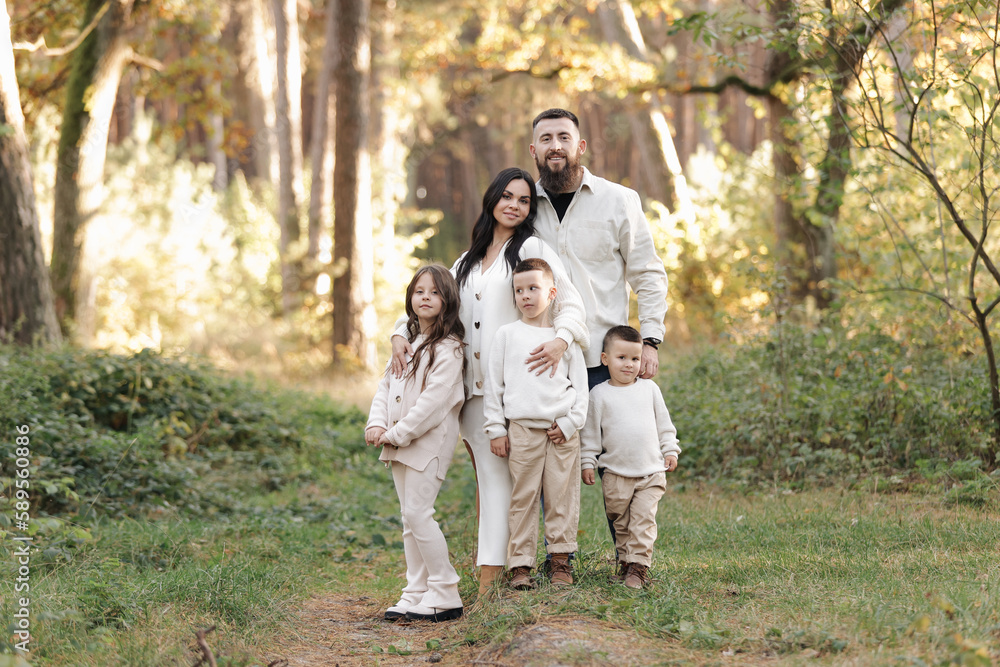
[(482, 232), (447, 322)]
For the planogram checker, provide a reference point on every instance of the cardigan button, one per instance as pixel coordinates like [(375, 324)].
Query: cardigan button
[(477, 355), (477, 325), (479, 385), (398, 399), (479, 296)]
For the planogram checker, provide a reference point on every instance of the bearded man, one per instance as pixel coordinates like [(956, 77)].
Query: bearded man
[(602, 237)]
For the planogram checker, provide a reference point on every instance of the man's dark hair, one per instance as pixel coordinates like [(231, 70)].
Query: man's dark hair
[(534, 264), (555, 113), (621, 332)]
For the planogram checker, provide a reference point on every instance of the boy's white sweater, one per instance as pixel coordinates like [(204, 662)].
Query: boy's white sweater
[(629, 428), (513, 393)]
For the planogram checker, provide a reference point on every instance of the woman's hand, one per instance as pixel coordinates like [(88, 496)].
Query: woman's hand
[(401, 350), (547, 356)]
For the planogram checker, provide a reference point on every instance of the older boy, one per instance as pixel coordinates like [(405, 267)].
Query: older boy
[(545, 413), (630, 436)]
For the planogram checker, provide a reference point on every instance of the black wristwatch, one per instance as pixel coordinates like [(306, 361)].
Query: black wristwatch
[(652, 342)]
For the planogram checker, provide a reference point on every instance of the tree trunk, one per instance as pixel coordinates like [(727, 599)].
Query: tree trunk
[(288, 131), (992, 455), (619, 15), (386, 148), (821, 220), (353, 285), (318, 146), (27, 309), (91, 91)]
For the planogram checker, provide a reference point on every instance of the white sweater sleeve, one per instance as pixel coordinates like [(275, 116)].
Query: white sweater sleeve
[(590, 437), (577, 416), (495, 425), (643, 268), (378, 415), (664, 426), (569, 315)]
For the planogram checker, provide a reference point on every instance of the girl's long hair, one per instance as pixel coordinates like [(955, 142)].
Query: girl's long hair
[(446, 325), (482, 231)]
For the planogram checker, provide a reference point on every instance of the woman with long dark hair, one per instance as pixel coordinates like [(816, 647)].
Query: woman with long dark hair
[(502, 236)]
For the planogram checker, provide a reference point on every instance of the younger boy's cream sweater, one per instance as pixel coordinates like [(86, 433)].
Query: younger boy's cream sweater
[(629, 429)]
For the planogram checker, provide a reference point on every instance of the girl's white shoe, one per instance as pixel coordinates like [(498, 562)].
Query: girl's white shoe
[(422, 613)]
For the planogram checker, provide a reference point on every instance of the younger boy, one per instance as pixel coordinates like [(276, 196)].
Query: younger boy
[(545, 413), (630, 436)]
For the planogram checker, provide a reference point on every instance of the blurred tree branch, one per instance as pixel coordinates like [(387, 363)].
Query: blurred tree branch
[(53, 52)]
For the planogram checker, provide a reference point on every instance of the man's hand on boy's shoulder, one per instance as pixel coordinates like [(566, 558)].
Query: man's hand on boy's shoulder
[(587, 475), (670, 463)]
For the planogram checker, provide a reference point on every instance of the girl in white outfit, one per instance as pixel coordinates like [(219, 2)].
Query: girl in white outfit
[(502, 236), (414, 418)]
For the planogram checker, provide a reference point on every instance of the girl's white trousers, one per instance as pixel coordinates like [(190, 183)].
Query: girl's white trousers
[(431, 581)]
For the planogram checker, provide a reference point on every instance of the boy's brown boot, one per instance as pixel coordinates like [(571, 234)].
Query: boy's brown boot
[(622, 571), (561, 571), (637, 576), (520, 578), (487, 575)]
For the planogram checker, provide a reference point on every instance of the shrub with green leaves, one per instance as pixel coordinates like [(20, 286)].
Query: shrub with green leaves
[(128, 435), (803, 404)]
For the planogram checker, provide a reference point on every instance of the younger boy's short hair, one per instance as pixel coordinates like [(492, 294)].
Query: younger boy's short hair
[(621, 332), (534, 264)]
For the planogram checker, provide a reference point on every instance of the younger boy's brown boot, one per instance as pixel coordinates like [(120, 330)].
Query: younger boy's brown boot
[(561, 570), (637, 576), (487, 575)]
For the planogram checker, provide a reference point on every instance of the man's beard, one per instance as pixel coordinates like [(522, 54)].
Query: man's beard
[(563, 180)]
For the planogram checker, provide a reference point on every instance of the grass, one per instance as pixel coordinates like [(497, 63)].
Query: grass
[(853, 574), (846, 576)]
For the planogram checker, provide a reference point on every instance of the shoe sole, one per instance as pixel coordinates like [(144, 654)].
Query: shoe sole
[(446, 615), (394, 615)]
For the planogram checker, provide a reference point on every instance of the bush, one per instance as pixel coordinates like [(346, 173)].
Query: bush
[(805, 404), (126, 435)]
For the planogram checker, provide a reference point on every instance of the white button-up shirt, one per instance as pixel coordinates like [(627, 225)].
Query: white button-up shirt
[(605, 245)]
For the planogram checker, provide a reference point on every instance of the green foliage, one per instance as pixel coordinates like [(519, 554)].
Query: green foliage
[(127, 435), (815, 404)]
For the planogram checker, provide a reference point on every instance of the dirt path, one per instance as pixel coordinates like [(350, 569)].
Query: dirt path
[(349, 631)]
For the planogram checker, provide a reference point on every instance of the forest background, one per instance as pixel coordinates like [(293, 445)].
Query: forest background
[(254, 182), (251, 183)]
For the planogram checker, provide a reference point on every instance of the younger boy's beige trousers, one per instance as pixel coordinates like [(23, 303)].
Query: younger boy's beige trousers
[(630, 503), (537, 465)]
